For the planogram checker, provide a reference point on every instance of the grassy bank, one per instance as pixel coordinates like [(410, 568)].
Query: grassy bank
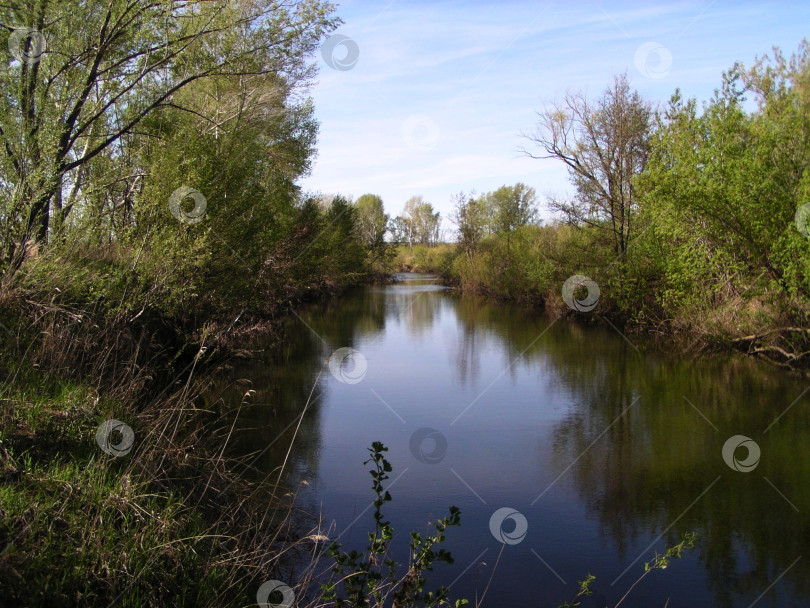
[(636, 293), (176, 520), (80, 527), (423, 258)]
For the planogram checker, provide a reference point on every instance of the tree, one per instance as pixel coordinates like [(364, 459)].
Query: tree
[(470, 218), (344, 250), (373, 224), (427, 223), (604, 145), (242, 148), (512, 207), (106, 69), (725, 185), (409, 219), (401, 230), (372, 219), (418, 222)]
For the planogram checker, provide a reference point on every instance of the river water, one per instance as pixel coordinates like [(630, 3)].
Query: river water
[(568, 448)]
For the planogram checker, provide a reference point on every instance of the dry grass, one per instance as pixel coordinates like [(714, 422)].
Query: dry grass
[(177, 520)]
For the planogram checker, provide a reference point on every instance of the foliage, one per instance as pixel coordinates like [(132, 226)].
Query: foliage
[(373, 225), (418, 223), (421, 258), (721, 194), (686, 219), (512, 207), (658, 562), (75, 112), (603, 146), (584, 591), (371, 579), (200, 95), (470, 217)]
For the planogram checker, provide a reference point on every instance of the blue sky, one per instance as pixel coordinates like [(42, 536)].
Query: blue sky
[(441, 91)]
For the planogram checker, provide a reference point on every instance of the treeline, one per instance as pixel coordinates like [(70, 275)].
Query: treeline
[(150, 159), (690, 221)]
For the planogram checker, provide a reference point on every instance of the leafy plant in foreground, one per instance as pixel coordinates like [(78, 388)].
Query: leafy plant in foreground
[(371, 579), (658, 562)]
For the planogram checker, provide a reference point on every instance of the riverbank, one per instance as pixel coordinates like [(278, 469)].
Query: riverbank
[(153, 510), (532, 267)]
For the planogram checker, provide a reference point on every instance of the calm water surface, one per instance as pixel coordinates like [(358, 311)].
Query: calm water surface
[(609, 452)]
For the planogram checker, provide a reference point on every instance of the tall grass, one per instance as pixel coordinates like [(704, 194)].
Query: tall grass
[(177, 521), (174, 522)]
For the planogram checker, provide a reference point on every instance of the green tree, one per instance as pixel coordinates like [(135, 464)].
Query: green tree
[(245, 165), (373, 224), (470, 218), (372, 219), (721, 192), (604, 146), (428, 223), (401, 230), (106, 69), (342, 249), (419, 223), (410, 220), (511, 207)]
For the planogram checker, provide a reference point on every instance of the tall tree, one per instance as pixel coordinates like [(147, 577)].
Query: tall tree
[(419, 223), (90, 74), (427, 223), (372, 219), (373, 224), (401, 230), (470, 218), (604, 145), (513, 207), (409, 221), (737, 180)]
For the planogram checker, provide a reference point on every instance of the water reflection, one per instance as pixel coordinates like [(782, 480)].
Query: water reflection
[(609, 453)]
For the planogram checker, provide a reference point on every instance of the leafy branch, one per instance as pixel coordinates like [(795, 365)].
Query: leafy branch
[(370, 578)]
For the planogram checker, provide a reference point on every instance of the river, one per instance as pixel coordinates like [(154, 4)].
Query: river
[(568, 448)]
